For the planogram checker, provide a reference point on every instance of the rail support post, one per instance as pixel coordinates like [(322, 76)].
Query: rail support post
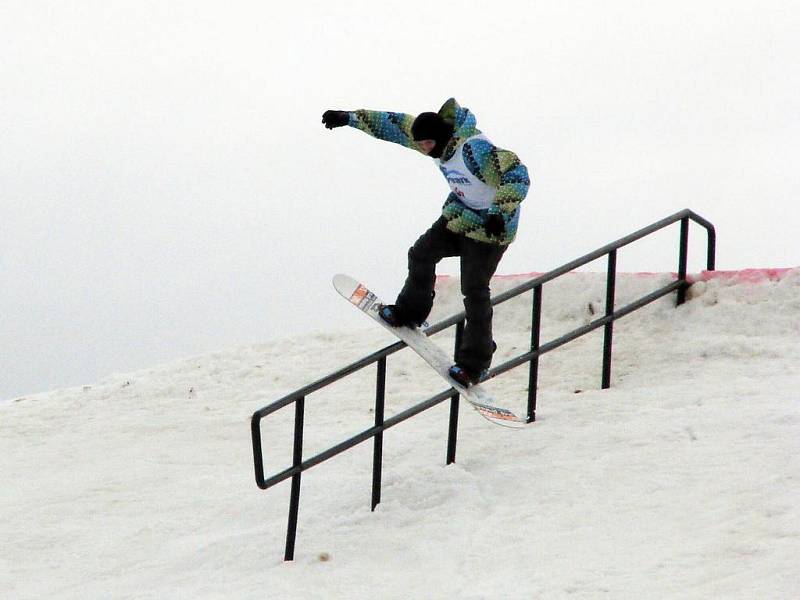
[(452, 431), (297, 459), (533, 374), (608, 334), (683, 259), (377, 450)]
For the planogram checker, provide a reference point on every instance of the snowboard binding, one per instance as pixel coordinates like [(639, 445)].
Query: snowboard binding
[(466, 377), (394, 316)]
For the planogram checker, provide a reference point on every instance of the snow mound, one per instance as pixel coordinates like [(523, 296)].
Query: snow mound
[(678, 482)]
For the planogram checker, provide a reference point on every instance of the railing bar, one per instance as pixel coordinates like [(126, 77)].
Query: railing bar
[(418, 408), (258, 455), (579, 262), (359, 438), (711, 249), (323, 456), (502, 368), (329, 379), (282, 476), (544, 348), (699, 220), (528, 285), (298, 397), (592, 256)]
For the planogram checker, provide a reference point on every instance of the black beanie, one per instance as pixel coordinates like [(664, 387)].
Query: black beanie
[(431, 126)]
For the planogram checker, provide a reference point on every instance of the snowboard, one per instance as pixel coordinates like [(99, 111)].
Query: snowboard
[(369, 303)]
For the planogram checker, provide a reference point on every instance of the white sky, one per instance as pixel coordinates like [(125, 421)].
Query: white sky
[(167, 188)]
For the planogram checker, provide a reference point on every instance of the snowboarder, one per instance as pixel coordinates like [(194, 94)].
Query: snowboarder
[(478, 221)]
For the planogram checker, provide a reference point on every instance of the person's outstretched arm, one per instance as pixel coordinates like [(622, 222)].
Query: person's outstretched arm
[(387, 126)]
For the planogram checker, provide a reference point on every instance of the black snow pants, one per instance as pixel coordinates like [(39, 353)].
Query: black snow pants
[(479, 261)]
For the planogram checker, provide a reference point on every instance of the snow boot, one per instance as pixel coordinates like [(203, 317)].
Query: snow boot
[(465, 376), (393, 315)]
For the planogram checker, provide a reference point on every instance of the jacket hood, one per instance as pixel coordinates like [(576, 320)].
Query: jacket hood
[(464, 125)]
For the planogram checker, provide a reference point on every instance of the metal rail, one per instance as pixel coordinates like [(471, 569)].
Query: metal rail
[(537, 349)]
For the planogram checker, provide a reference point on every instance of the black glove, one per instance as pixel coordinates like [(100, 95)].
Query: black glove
[(335, 118), (494, 226)]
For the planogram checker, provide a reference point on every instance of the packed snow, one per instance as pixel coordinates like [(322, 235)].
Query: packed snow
[(681, 481)]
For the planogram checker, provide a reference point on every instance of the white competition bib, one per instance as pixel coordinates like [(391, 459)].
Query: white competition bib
[(473, 192)]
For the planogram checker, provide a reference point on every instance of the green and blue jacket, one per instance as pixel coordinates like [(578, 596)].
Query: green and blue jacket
[(483, 178)]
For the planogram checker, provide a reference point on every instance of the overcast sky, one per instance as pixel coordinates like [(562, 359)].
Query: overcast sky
[(167, 189)]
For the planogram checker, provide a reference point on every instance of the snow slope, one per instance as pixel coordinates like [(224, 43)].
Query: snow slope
[(681, 481)]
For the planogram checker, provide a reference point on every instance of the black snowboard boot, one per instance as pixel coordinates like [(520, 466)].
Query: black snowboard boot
[(394, 316), (465, 376)]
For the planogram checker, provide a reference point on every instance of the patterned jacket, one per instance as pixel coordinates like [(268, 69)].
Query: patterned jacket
[(497, 168)]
